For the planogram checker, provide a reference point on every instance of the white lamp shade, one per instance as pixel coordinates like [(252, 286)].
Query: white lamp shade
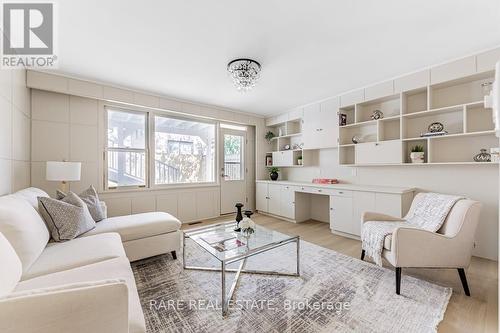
[(63, 171)]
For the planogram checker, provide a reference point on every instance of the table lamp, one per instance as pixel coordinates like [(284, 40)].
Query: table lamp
[(63, 172)]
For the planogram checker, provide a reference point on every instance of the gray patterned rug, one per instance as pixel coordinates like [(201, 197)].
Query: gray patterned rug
[(335, 293)]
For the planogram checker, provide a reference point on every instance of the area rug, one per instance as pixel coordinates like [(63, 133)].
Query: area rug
[(335, 293)]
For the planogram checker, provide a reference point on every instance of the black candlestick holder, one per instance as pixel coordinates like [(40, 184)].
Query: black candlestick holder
[(239, 216)]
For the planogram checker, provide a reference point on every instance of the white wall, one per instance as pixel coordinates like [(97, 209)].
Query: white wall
[(68, 126), (14, 131)]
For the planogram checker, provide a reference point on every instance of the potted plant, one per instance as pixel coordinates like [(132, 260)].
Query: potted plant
[(417, 154), (273, 173), (269, 136)]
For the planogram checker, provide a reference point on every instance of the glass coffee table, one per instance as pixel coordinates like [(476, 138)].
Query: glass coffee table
[(228, 246)]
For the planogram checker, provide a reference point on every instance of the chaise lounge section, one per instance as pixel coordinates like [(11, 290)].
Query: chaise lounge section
[(82, 285)]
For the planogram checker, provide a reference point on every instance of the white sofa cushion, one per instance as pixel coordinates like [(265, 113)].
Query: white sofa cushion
[(79, 252), (31, 195), (10, 267), (118, 268), (137, 226), (24, 229)]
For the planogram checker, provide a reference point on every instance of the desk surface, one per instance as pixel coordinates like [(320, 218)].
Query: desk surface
[(351, 187)]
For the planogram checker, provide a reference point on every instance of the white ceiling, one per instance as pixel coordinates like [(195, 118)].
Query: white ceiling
[(309, 50)]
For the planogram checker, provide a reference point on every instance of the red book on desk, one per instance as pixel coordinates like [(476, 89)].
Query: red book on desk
[(325, 181)]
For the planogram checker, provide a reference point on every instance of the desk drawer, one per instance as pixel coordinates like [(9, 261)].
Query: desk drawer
[(340, 193)]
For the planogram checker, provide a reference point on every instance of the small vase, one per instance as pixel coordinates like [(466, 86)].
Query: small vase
[(417, 157), (273, 175), (483, 156)]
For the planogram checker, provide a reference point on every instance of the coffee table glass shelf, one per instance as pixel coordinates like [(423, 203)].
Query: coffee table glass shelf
[(228, 246)]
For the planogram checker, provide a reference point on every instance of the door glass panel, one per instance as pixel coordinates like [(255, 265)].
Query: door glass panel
[(233, 157)]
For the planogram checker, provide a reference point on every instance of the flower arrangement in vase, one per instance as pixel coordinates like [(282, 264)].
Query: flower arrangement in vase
[(247, 227)]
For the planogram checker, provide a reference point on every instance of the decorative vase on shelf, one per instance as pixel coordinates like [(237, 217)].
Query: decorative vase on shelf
[(273, 173), (483, 156), (377, 114), (417, 157)]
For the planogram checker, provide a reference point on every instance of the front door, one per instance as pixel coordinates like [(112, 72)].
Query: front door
[(232, 169)]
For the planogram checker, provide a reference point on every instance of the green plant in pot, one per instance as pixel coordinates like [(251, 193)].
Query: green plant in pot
[(269, 136), (417, 154), (273, 173), (299, 160)]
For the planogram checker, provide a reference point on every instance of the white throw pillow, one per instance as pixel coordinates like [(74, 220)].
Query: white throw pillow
[(24, 229), (10, 267)]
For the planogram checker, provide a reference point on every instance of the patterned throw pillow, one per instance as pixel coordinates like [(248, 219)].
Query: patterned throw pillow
[(66, 218), (90, 197)]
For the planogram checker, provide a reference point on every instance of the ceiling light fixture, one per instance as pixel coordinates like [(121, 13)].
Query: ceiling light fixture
[(244, 73)]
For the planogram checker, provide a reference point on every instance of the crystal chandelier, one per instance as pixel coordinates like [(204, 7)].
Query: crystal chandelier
[(244, 73)]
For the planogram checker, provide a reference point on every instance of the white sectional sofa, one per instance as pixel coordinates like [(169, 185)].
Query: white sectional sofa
[(82, 285)]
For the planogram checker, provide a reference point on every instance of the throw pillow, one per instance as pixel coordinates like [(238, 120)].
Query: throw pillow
[(66, 218), (90, 197)]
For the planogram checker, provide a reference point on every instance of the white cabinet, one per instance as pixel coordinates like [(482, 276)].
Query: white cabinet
[(352, 98), (389, 204), (310, 126), (320, 125), (274, 198), (412, 81), (363, 202), (453, 70), (385, 152), (261, 197), (287, 206), (379, 90), (341, 214), (486, 61), (283, 158)]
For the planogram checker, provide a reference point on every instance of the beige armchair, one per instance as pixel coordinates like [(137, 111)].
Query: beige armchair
[(449, 247)]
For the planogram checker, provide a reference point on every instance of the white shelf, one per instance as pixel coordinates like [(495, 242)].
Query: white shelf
[(431, 112), (450, 136), (286, 136), (457, 104), (421, 164)]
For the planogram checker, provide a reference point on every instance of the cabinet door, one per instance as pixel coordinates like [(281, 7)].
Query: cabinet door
[(329, 128), (286, 158), (362, 202), (261, 201), (288, 202), (341, 214), (379, 152), (277, 161), (310, 126), (390, 204), (274, 194)]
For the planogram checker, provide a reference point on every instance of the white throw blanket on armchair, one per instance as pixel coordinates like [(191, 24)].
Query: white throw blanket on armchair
[(429, 215)]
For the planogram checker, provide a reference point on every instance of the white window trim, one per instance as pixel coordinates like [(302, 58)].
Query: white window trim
[(107, 149), (153, 184), (150, 172)]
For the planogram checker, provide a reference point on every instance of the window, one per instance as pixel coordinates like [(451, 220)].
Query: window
[(126, 152), (184, 151), (233, 157)]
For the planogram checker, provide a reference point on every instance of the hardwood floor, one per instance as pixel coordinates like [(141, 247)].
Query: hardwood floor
[(478, 313)]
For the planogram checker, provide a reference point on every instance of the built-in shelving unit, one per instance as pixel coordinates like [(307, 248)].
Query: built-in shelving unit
[(288, 134), (457, 104)]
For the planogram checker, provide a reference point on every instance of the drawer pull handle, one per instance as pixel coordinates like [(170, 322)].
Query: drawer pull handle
[(319, 190), (341, 192)]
